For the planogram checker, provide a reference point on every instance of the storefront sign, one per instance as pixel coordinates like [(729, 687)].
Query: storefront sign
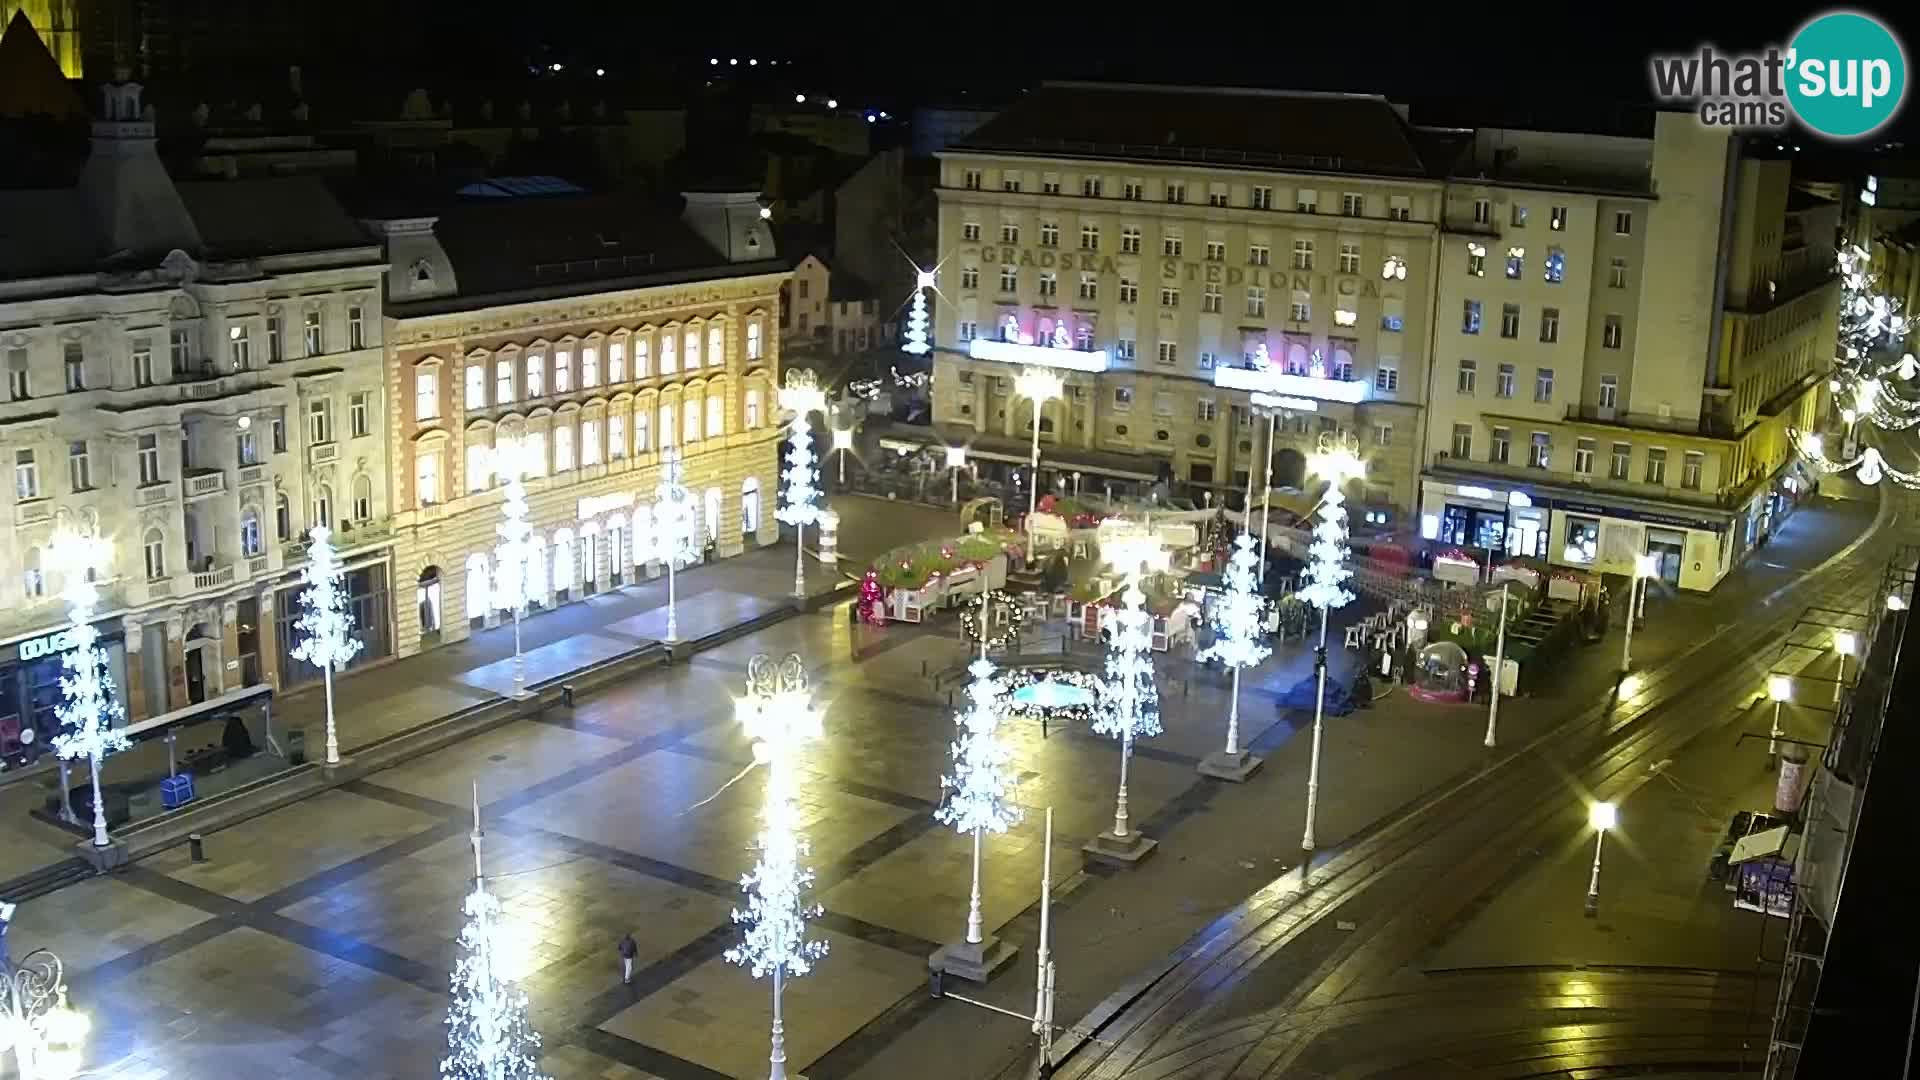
[(595, 505), (1651, 517), (1014, 352), (1261, 400), (1275, 381), (46, 645)]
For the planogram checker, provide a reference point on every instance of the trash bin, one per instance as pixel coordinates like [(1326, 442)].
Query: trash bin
[(297, 746), (1787, 789)]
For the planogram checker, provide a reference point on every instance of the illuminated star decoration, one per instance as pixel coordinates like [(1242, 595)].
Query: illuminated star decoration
[(916, 335), (982, 784), (87, 712), (780, 720)]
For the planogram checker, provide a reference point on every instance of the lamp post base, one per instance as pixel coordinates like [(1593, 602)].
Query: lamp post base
[(1120, 850), (973, 962), (102, 859), (1234, 768)]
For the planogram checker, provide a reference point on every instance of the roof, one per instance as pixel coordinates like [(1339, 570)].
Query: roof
[(515, 186), (845, 285), (563, 245), (45, 232), (30, 79), (1352, 133), (268, 216)]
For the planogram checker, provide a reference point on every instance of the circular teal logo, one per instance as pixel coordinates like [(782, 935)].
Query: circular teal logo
[(1846, 74)]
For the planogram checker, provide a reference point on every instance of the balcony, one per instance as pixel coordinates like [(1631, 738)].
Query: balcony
[(322, 453), (203, 482), (32, 513), (253, 474), (153, 494), (1707, 424), (214, 578)]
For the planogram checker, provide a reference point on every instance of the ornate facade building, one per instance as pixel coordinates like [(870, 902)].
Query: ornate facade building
[(193, 373), (580, 335)]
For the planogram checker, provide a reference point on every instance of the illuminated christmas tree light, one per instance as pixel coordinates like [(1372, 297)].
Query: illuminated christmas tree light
[(916, 335), (1241, 643), (1327, 575), (510, 561), (981, 789), (676, 538), (488, 1034), (801, 493), (325, 627), (89, 716)]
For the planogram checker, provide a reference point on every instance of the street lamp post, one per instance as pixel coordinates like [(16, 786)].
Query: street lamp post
[(1273, 411), (1337, 461), (1040, 386), (1844, 643), (1643, 565), (956, 460), (1602, 816), (45, 1034), (89, 716), (1780, 690), (843, 442), (800, 396), (510, 561), (1499, 668)]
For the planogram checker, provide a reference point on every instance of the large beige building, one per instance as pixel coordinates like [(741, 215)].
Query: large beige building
[(1174, 251), (1626, 331), (193, 374), (586, 334)]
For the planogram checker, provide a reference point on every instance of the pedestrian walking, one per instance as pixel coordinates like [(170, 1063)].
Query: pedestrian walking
[(628, 950)]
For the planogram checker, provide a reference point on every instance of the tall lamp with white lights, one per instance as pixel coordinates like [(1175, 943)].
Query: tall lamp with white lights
[(1338, 461), (1039, 386), (801, 506)]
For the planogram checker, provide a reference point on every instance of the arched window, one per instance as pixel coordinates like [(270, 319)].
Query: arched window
[(690, 428), (1296, 359), (669, 345), (34, 579), (749, 506), (716, 345), (323, 506), (753, 339), (712, 507), (563, 560), (753, 409), (535, 456), (562, 446), (642, 534), (537, 581), (478, 585), (666, 427), (282, 518), (154, 545), (250, 539), (716, 415), (363, 498)]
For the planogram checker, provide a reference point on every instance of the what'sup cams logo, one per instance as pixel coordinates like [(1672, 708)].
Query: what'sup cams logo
[(1844, 76)]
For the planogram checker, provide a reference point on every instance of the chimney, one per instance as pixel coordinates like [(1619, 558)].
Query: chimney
[(732, 222)]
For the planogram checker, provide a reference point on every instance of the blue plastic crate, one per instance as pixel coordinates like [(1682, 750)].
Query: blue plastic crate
[(176, 791)]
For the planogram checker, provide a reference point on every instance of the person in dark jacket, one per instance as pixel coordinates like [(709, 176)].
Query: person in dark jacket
[(628, 950)]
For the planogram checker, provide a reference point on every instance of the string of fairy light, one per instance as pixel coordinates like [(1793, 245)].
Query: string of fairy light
[(1870, 364)]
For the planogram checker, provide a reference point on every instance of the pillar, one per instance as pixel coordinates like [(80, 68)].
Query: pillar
[(176, 663), (268, 633), (602, 557), (134, 694), (228, 676)]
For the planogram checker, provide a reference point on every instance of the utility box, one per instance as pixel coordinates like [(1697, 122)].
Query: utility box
[(176, 791)]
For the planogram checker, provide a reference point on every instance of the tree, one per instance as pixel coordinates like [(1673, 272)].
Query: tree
[(326, 624), (675, 539), (1129, 700), (87, 712), (488, 1034), (800, 497), (1241, 643), (916, 334), (982, 784)]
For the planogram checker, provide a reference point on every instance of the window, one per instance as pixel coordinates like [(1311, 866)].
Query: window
[(1049, 234), (33, 578), (323, 506), (1510, 320), (154, 546), (315, 340), (753, 339), (1393, 316), (479, 459), (1463, 441), (239, 349), (1502, 445), (1540, 450), (1262, 255), (1353, 204), (1176, 192), (1216, 251), (1089, 287), (1399, 208), (563, 446), (1470, 317), (278, 425), (1610, 332), (563, 364), (1557, 219), (1257, 302), (533, 453), (179, 351), (426, 394), (282, 518), (1386, 377), (319, 421), (971, 179), (1163, 404), (1210, 300), (250, 540), (476, 391), (1169, 352), (363, 498), (669, 353), (1477, 260), (1543, 385), (1609, 391), (426, 477), (1169, 298), (1583, 456), (148, 457), (1656, 465), (359, 410), (1306, 201), (641, 419), (1549, 325), (1349, 258), (1130, 240), (616, 436), (1009, 232), (142, 363), (1617, 272), (1483, 211), (1300, 310), (1556, 266), (590, 441), (1303, 254), (1207, 363), (666, 427), (1519, 216), (1260, 198), (1217, 195), (276, 345), (969, 277), (1089, 237), (1049, 283), (969, 232), (1623, 222), (1516, 263), (643, 356), (1009, 279), (246, 448), (1690, 468), (1009, 183), (1503, 381), (78, 469), (589, 367), (1129, 291), (968, 329), (1469, 372), (1205, 410), (1171, 244), (1123, 350), (1622, 456), (537, 375), (356, 327), (1122, 398), (690, 420), (1383, 434), (1090, 187), (1583, 540), (1049, 185), (503, 381), (716, 416)]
